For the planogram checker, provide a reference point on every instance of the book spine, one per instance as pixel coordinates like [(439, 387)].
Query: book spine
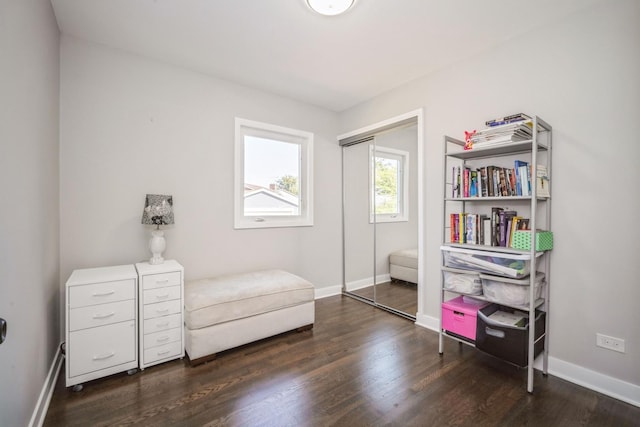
[(483, 178), (466, 183)]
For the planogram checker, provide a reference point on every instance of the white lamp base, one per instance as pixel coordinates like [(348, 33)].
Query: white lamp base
[(157, 245)]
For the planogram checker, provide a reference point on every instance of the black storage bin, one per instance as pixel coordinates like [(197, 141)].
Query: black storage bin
[(507, 342)]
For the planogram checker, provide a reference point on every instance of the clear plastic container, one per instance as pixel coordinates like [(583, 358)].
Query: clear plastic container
[(510, 291), (462, 281), (514, 266)]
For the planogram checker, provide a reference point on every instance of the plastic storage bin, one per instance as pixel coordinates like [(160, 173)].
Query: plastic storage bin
[(510, 291), (510, 343), (462, 281), (498, 263), (459, 317)]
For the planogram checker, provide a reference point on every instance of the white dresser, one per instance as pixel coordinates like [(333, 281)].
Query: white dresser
[(101, 323), (161, 296)]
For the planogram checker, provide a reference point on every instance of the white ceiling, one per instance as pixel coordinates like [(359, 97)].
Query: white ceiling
[(282, 47)]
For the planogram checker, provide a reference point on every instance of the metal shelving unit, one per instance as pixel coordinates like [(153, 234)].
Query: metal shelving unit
[(538, 151)]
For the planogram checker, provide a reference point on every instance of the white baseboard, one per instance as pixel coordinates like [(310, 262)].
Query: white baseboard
[(612, 387), (428, 322), (328, 291), (368, 281), (40, 411)]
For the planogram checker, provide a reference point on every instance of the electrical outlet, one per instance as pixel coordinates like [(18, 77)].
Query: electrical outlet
[(610, 343)]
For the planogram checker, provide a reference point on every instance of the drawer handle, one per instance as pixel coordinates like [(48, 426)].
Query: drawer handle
[(494, 332), (165, 310), (162, 281), (104, 294), (165, 338), (162, 296), (162, 325), (105, 356), (103, 316), (160, 353)]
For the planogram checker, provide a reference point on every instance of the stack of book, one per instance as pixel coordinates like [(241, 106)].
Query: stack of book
[(507, 119), (496, 181), (496, 229), (505, 133)]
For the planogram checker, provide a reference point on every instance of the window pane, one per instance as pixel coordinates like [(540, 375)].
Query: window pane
[(386, 186), (271, 177)]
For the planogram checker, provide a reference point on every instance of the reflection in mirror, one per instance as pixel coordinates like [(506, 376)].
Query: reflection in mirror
[(380, 208), (358, 231), (396, 200)]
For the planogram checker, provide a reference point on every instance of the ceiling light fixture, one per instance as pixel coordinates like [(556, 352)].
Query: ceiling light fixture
[(330, 7)]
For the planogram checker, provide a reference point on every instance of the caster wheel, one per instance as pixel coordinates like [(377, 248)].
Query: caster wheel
[(77, 387), (132, 371)]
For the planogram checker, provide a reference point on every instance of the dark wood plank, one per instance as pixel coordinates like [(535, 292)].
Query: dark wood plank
[(359, 365), (396, 294)]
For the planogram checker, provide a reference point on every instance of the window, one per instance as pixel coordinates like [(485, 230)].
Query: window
[(389, 183), (273, 184)]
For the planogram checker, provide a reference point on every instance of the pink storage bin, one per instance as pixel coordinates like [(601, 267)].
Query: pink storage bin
[(460, 317)]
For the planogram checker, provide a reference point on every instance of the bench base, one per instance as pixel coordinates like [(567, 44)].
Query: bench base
[(214, 356), (205, 343)]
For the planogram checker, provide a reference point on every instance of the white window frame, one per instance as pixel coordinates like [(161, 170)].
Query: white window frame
[(244, 127), (403, 192)]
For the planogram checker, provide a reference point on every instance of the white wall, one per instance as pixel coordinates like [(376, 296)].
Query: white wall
[(29, 218), (580, 75), (131, 126)]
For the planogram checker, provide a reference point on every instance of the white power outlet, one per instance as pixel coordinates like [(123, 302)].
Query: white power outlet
[(611, 343)]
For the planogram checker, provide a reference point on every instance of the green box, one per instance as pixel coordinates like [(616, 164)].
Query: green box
[(522, 240)]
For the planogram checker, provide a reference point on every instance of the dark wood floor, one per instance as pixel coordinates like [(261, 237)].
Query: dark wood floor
[(397, 294), (359, 366)]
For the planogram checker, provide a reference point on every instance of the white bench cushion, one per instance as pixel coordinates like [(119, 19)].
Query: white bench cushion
[(222, 299), (405, 258)]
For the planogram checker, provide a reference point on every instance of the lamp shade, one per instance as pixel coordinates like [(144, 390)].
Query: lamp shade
[(158, 210)]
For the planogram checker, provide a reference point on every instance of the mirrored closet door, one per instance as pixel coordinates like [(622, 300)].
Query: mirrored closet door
[(380, 217)]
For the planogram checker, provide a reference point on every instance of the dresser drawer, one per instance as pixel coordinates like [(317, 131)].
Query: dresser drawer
[(100, 293), (161, 294), (163, 337), (91, 350), (102, 314), (162, 309), (162, 280), (157, 324), (166, 351)]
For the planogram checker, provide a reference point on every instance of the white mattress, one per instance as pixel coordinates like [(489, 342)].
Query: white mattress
[(226, 298)]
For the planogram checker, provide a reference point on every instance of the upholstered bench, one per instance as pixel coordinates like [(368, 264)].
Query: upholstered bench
[(225, 312), (403, 265)]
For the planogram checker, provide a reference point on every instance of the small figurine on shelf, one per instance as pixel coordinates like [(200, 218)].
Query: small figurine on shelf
[(467, 139)]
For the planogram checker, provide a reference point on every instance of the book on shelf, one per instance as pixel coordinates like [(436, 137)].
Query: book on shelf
[(507, 119), (503, 230), (495, 224), (484, 181), (486, 230), (470, 229), (473, 183), (542, 182), (522, 169)]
